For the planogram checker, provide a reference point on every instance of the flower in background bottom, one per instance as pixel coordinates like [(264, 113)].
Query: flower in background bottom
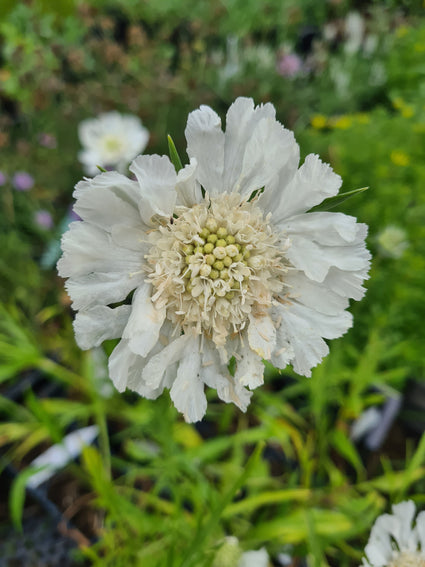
[(230, 554), (22, 181), (227, 265), (111, 140), (394, 542)]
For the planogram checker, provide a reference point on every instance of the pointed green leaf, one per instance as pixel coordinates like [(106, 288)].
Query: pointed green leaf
[(337, 200), (174, 156), (100, 168), (17, 495)]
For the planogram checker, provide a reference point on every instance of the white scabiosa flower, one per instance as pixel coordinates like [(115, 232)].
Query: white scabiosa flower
[(111, 140), (224, 260), (230, 554), (394, 542)]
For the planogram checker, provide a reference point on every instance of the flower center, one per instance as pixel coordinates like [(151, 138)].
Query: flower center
[(112, 144), (214, 264), (408, 559)]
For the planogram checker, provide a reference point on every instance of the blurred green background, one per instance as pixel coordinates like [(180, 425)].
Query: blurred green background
[(349, 78)]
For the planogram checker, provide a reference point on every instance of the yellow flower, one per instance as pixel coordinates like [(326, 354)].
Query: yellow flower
[(318, 121), (400, 158), (342, 122)]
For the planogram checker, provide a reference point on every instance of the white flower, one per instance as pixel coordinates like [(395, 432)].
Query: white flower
[(217, 274), (230, 554), (393, 542), (111, 140)]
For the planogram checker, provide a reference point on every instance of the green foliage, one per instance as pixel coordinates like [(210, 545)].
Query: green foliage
[(287, 473)]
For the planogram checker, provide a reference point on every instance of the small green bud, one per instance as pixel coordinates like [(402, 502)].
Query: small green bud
[(204, 233), (221, 242), (210, 259), (230, 239), (212, 238), (208, 248), (221, 232), (227, 260), (218, 265), (211, 225), (187, 249), (214, 274)]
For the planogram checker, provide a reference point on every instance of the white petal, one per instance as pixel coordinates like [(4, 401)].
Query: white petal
[(420, 529), (258, 558), (316, 259), (402, 528), (312, 183), (205, 142), (266, 152), (101, 288), (216, 375), (284, 352), (347, 284), (188, 188), (98, 324), (157, 178), (249, 367), (145, 322), (154, 371), (88, 249), (256, 146), (304, 328), (120, 361), (123, 187), (262, 335), (329, 229), (99, 204), (314, 294), (187, 391)]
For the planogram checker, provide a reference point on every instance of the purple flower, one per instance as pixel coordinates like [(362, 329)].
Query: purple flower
[(3, 178), (289, 65), (43, 219), (47, 140), (22, 181)]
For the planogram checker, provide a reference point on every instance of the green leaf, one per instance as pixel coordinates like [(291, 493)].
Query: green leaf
[(17, 495), (100, 168), (174, 156), (333, 202)]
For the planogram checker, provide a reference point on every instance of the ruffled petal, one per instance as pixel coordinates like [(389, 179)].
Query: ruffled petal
[(157, 179), (187, 391), (188, 188), (420, 529), (100, 202), (315, 259), (402, 528), (100, 323), (154, 371), (145, 322), (205, 142), (249, 367), (313, 294), (88, 249), (311, 184), (216, 375), (262, 335), (304, 328), (102, 288)]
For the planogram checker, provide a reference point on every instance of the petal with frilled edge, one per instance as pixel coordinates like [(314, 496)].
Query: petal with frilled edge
[(100, 323)]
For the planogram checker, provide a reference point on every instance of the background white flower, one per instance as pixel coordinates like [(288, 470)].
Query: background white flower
[(111, 140), (394, 542), (224, 260)]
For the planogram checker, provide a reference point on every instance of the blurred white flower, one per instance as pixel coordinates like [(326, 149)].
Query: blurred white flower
[(354, 32), (394, 542), (111, 140), (226, 264), (230, 554), (392, 241)]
